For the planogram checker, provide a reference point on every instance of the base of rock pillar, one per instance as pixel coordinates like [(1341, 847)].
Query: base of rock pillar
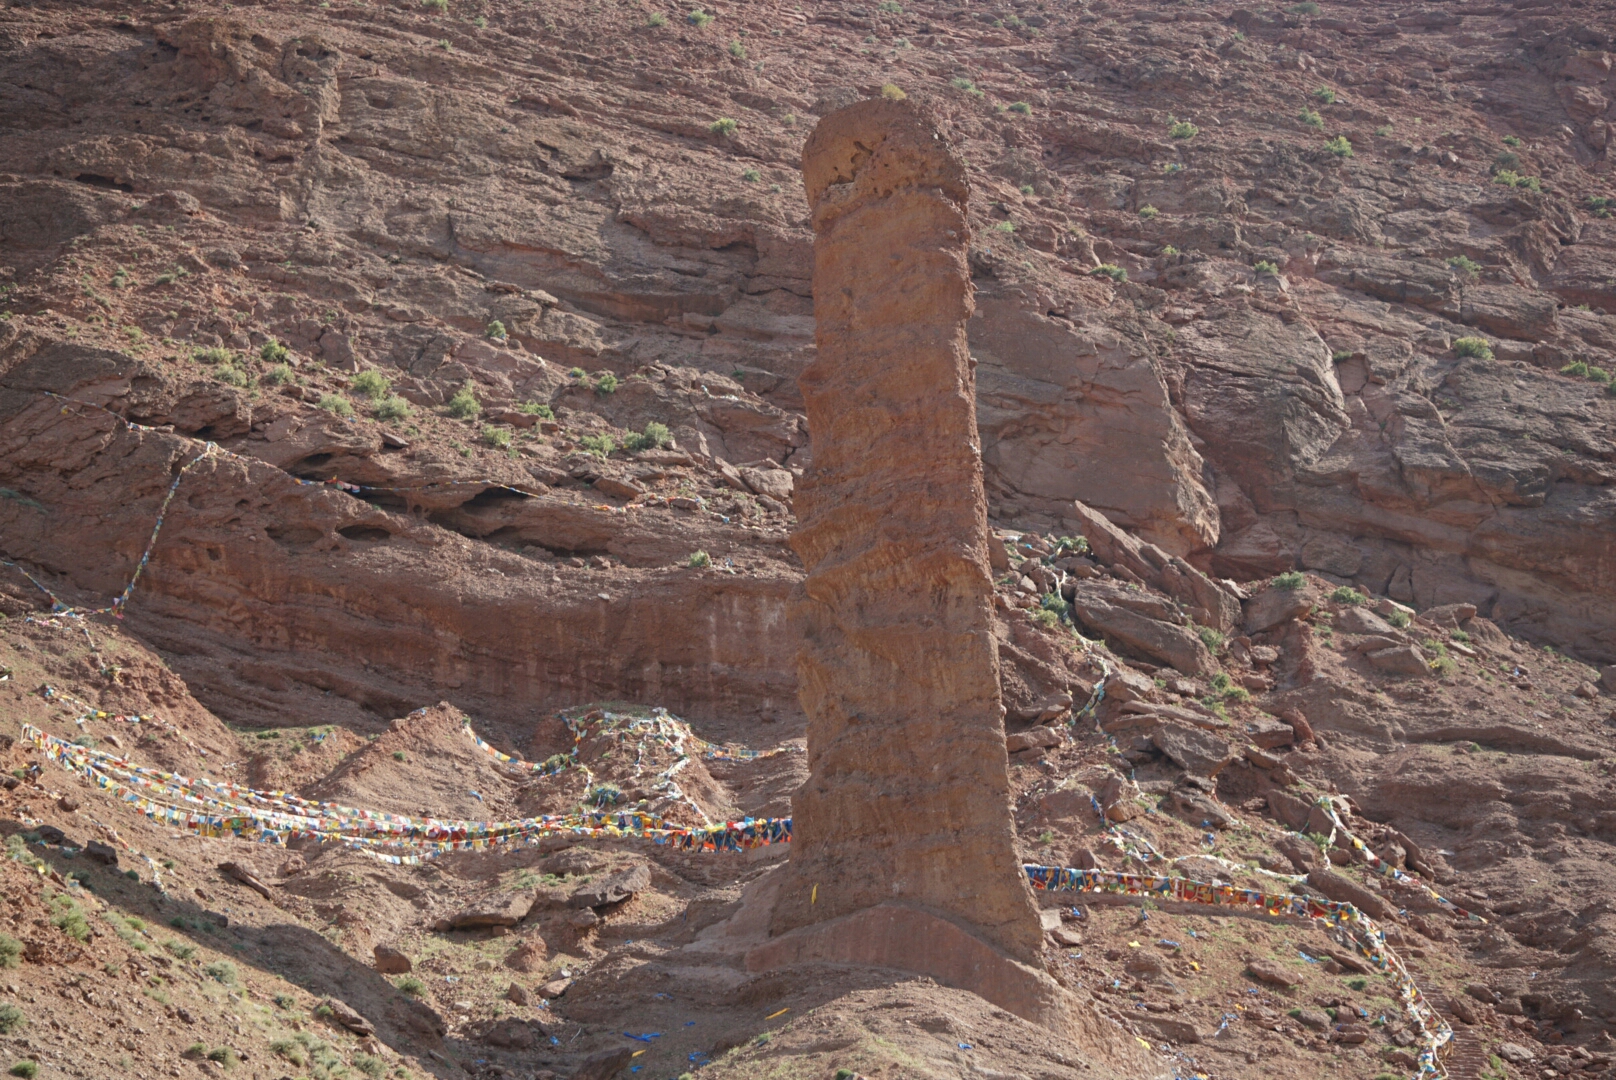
[(908, 939)]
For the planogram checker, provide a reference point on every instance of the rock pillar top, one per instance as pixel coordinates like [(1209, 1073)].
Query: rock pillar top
[(907, 801)]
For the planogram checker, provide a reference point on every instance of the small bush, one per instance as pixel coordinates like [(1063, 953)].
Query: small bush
[(410, 985), (1148, 211), (654, 437), (737, 50), (1005, 226), (1598, 374), (1212, 639), (285, 1001), (751, 176), (1325, 94), (1511, 178), (598, 445), (1290, 579), (10, 950), (1026, 189), (1182, 129), (498, 438), (279, 375), (223, 971), (1110, 270), (1308, 7), (1345, 594), (893, 92), (1399, 619), (1340, 356), (273, 352), (1311, 118), (699, 560), (224, 1056), (1474, 348), (1236, 693), (723, 126), (1576, 367), (11, 1019), (1511, 140), (69, 919), (1600, 205), (180, 949), (399, 755), (1264, 267), (575, 373), (392, 407), (536, 408), (1045, 618), (657, 19), (436, 5), (25, 1069), (605, 383), (370, 1065), (890, 7), (464, 405), (195, 1050), (372, 384), (1460, 635), (231, 375), (291, 1051), (1021, 107), (1340, 146), (214, 355), (496, 330), (324, 1012), (336, 404), (1465, 265), (698, 18), (966, 85)]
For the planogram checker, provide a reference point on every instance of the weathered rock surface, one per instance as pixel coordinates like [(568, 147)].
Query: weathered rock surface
[(908, 795), (613, 889)]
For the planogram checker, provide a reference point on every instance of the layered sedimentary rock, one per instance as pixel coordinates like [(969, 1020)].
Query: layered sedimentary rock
[(907, 802)]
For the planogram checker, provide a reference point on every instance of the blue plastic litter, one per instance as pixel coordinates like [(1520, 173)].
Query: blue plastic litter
[(647, 1037), (690, 1023), (474, 795), (966, 1046), (1304, 956), (1171, 944)]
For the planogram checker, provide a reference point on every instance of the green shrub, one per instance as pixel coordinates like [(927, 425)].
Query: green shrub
[(605, 383), (1340, 146), (575, 373), (498, 438), (399, 755), (654, 437), (69, 919), (1511, 140), (336, 404), (890, 7), (737, 50), (324, 1012), (231, 375), (10, 950), (1511, 178), (1263, 266), (1340, 356), (436, 5), (751, 176), (1473, 347), (11, 1019), (1110, 270), (224, 1056), (464, 405), (285, 1001), (1236, 693), (1598, 374), (1460, 635), (195, 1050), (370, 1065), (1212, 639), (699, 18), (372, 384), (411, 985), (1399, 619), (1308, 7), (966, 85), (723, 126), (180, 949), (1325, 94), (214, 355), (1045, 618), (598, 445), (496, 330), (1005, 226), (1465, 265), (1600, 205), (1182, 129), (223, 971), (699, 560), (1311, 118), (657, 19), (392, 407), (25, 1069), (1345, 594), (1148, 211), (291, 1051), (536, 408), (1290, 579), (1576, 367), (279, 375), (1021, 107), (273, 352)]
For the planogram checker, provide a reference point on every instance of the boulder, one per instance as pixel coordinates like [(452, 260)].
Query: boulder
[(105, 854), (611, 890), (1516, 1054), (775, 483), (1313, 1019), (389, 961), (604, 1065), (618, 489), (1271, 972), (1303, 854), (583, 919), (1399, 660), (1275, 606), (1118, 799), (1137, 620), (1343, 891), (517, 994), (1035, 738), (1357, 620), (1448, 616), (1288, 810), (1192, 749), (1167, 1029), (529, 956), (345, 1015), (511, 1034), (1607, 678), (554, 988), (1266, 733), (500, 909)]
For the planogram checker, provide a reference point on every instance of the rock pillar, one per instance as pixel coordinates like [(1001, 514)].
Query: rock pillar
[(907, 803)]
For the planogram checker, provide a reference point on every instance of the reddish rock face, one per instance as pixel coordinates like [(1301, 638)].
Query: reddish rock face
[(907, 801)]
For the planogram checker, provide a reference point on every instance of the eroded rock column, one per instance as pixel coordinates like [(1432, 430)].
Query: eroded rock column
[(907, 804)]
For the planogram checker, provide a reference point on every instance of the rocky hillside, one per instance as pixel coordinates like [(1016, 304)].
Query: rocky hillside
[(1320, 293)]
